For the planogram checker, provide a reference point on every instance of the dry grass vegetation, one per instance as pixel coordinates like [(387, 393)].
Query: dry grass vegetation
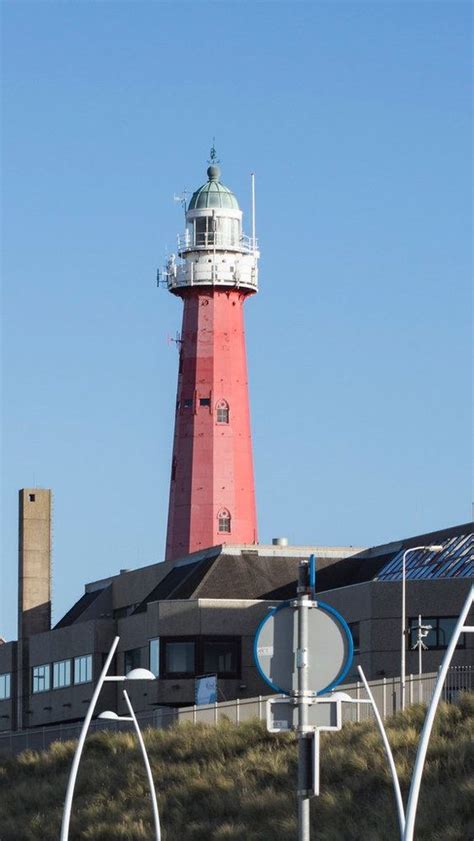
[(228, 783)]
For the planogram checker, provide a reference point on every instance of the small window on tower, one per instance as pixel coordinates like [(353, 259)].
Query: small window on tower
[(204, 401), (188, 404), (32, 497), (222, 411), (224, 521)]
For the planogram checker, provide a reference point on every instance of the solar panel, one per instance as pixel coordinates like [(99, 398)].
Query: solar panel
[(456, 560)]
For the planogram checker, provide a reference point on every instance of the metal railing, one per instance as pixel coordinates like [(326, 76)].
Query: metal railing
[(215, 239), (386, 691)]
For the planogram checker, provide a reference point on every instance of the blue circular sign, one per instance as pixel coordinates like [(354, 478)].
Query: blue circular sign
[(330, 648)]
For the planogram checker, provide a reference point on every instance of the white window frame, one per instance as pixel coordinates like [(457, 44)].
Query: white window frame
[(81, 664), (44, 676), (61, 674)]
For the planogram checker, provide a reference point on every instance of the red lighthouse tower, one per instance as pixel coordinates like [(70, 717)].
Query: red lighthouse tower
[(212, 494)]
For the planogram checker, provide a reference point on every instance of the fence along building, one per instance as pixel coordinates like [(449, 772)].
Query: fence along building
[(198, 615)]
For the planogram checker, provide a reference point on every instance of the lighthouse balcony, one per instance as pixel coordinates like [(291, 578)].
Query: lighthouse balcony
[(196, 241), (224, 269)]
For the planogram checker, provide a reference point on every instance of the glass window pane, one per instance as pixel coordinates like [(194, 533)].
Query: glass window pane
[(133, 659), (220, 657), (61, 674), (5, 686), (446, 627), (155, 656), (224, 524), (222, 415), (41, 678), (200, 230), (179, 657), (83, 669), (354, 628), (431, 639)]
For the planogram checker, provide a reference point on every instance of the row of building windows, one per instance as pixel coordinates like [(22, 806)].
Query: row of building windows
[(62, 673), (222, 407), (187, 657)]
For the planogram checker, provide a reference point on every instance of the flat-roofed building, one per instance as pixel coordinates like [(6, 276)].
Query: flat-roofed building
[(198, 615)]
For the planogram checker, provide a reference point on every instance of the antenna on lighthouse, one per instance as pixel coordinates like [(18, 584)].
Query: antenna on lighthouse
[(182, 199), (252, 179), (213, 159)]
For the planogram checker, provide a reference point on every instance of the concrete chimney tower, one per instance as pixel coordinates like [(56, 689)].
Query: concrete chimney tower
[(212, 495), (34, 568)]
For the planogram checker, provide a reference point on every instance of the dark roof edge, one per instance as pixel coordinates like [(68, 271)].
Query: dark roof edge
[(419, 539), (78, 608)]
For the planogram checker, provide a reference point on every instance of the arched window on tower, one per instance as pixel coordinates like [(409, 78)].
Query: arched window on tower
[(224, 521), (222, 411)]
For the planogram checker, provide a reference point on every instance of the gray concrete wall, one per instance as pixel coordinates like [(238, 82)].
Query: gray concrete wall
[(34, 554), (376, 605), (69, 703), (196, 618)]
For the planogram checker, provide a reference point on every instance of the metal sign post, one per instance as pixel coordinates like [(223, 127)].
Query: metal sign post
[(303, 649), (304, 738)]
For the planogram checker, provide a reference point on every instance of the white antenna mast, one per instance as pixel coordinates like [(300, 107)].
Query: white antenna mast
[(182, 199), (252, 178)]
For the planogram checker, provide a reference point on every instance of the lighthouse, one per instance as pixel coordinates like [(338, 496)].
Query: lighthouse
[(212, 492)]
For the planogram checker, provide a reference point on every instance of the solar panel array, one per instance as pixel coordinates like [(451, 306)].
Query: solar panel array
[(455, 560)]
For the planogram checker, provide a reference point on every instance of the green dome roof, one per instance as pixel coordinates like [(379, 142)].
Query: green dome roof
[(213, 193)]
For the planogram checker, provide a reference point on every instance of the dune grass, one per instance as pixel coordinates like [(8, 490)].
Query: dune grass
[(228, 783)]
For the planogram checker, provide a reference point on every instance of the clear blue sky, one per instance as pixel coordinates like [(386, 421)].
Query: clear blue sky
[(356, 119)]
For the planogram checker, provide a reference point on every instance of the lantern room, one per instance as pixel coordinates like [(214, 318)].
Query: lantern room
[(214, 250)]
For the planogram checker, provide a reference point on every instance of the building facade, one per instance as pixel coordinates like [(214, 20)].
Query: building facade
[(198, 615)]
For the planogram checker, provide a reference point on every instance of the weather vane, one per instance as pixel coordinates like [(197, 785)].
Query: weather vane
[(213, 159)]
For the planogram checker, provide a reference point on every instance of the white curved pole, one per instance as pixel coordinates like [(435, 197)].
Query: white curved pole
[(430, 548), (428, 725), (147, 766), (77, 756), (388, 751)]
